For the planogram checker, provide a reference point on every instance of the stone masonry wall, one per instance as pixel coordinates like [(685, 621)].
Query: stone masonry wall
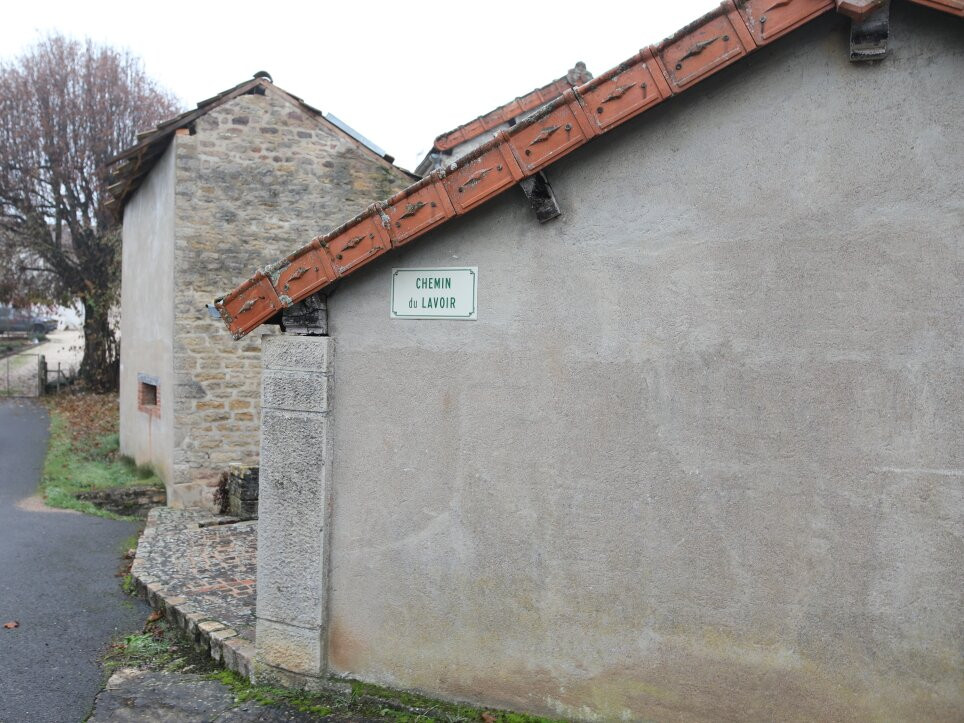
[(256, 179)]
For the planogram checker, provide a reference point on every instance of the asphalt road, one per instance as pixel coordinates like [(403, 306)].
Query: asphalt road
[(57, 579)]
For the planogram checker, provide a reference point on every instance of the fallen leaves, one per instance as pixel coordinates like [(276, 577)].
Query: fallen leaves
[(89, 416), (155, 616), (11, 625)]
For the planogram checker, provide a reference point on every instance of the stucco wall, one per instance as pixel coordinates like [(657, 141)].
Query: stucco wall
[(147, 317), (700, 456), (258, 178)]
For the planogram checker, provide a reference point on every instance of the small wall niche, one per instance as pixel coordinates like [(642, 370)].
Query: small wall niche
[(148, 394)]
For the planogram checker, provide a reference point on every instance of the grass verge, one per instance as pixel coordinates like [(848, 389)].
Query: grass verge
[(83, 453), (165, 647), (160, 646)]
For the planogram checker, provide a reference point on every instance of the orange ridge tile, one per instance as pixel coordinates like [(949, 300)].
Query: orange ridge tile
[(357, 241), (659, 75), (703, 47), (553, 131), (503, 114), (249, 305), (502, 162), (485, 172), (302, 273), (417, 209), (768, 20), (623, 92)]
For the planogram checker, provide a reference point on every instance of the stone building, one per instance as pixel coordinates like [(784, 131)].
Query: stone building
[(696, 455), (205, 197)]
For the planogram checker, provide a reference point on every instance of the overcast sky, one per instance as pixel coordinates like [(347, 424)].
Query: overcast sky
[(399, 73)]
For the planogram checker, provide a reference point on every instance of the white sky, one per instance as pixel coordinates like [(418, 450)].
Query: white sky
[(399, 73)]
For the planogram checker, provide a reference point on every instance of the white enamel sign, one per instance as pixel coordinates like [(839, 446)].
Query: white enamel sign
[(444, 293)]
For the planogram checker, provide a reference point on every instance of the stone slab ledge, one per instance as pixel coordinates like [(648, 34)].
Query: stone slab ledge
[(221, 642)]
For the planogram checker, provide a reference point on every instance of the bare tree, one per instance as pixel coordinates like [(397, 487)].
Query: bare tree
[(66, 107)]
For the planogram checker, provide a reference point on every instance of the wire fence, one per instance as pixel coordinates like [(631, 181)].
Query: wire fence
[(23, 375)]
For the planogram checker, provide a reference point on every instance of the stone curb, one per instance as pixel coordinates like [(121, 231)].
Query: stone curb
[(220, 641)]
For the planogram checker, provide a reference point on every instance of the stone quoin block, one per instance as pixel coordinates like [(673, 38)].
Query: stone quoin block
[(297, 352), (294, 391), (299, 650)]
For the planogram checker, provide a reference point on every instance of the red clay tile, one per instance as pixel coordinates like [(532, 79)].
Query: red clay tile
[(697, 51), (306, 271), (703, 48), (473, 129), (493, 118), (484, 173), (357, 242), (418, 208), (746, 37), (857, 9), (769, 19), (555, 130), (623, 92), (512, 109), (659, 75), (248, 306), (503, 114)]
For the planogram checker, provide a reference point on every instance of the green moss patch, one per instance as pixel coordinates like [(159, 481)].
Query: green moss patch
[(370, 702)]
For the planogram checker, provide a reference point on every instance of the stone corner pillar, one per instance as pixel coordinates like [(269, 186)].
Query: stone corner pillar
[(293, 510)]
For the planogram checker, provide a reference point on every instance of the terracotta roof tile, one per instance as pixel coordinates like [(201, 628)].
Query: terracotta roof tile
[(653, 75), (513, 109)]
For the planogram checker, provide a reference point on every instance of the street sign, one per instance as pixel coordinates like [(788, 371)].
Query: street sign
[(439, 293)]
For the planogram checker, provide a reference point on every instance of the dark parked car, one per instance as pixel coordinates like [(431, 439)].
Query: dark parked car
[(20, 320)]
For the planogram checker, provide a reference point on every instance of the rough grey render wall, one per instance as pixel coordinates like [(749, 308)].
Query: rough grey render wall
[(295, 508), (700, 457), (258, 179), (147, 318)]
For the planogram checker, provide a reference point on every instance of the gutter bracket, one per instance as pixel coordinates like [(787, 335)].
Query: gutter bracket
[(869, 35), (308, 317), (541, 198)]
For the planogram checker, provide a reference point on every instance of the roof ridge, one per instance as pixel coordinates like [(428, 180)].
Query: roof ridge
[(203, 107), (716, 40), (131, 165), (505, 112)]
